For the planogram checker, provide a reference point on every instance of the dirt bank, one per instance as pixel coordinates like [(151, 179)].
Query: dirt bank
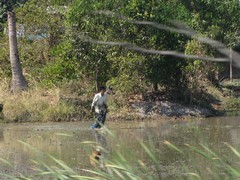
[(137, 107), (167, 108)]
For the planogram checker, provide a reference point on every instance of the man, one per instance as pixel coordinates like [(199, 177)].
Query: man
[(99, 106)]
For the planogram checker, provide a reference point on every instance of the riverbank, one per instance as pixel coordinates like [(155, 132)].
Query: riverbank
[(135, 107), (73, 104), (158, 105), (47, 107)]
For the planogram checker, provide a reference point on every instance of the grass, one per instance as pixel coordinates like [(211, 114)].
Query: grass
[(71, 102), (36, 104)]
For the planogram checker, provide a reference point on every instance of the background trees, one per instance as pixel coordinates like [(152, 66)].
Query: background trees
[(129, 69), (66, 41)]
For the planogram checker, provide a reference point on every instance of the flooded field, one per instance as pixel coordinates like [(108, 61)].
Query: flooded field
[(20, 144)]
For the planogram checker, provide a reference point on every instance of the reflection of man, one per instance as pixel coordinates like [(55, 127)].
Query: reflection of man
[(98, 155), (99, 106), (95, 158)]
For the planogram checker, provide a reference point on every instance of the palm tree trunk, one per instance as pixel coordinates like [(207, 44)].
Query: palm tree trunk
[(18, 82)]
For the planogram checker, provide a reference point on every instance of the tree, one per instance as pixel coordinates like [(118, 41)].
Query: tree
[(123, 66), (18, 81), (218, 20), (93, 58), (43, 22)]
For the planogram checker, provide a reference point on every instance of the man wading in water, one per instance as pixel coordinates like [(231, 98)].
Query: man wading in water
[(99, 106)]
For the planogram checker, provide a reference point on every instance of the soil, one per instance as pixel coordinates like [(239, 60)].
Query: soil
[(157, 104), (167, 108), (140, 106)]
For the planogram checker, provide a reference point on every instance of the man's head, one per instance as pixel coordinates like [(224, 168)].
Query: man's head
[(102, 90)]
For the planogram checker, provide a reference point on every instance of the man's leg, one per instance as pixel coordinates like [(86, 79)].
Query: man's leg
[(96, 123), (101, 119), (104, 118)]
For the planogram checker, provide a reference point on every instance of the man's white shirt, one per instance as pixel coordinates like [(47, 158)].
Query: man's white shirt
[(99, 101)]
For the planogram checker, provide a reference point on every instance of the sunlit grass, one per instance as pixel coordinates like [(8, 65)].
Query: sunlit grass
[(35, 105), (39, 104)]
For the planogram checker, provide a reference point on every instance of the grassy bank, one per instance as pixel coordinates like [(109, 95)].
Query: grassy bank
[(36, 104), (71, 102)]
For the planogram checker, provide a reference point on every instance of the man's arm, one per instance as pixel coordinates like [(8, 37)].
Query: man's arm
[(95, 99)]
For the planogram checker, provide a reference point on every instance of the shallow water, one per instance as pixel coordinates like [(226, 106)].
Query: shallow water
[(22, 143)]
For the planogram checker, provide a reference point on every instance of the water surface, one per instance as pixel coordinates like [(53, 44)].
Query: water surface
[(63, 141)]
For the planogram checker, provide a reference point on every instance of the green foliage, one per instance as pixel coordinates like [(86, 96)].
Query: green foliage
[(5, 69), (128, 72), (198, 75), (232, 104), (92, 58), (43, 23), (217, 19), (7, 6), (34, 15), (195, 68), (57, 45), (59, 71), (82, 16)]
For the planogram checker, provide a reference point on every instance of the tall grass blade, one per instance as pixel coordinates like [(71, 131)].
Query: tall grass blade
[(194, 149), (101, 174), (116, 167), (173, 147), (193, 175), (29, 146), (144, 171), (63, 165), (233, 150), (63, 134), (152, 154), (88, 142), (6, 162), (118, 174), (147, 150), (83, 177)]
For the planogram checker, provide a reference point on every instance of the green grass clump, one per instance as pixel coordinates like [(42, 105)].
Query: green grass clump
[(36, 105)]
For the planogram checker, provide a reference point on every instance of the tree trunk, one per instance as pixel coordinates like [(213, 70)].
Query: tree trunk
[(18, 82), (154, 86)]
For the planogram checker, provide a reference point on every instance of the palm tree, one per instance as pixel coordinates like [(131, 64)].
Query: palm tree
[(18, 81)]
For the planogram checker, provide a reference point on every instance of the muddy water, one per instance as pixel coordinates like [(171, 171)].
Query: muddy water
[(20, 144)]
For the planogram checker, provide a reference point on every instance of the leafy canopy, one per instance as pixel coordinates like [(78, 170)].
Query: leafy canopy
[(7, 6)]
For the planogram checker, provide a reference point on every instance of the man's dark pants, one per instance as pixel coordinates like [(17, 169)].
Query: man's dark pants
[(100, 120)]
